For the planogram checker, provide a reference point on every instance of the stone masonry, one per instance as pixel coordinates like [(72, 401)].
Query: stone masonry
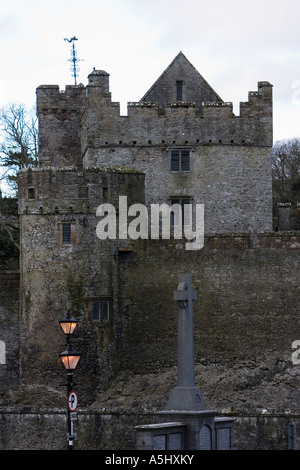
[(181, 141), (229, 156)]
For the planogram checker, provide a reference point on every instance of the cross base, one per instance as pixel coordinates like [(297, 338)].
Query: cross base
[(186, 397)]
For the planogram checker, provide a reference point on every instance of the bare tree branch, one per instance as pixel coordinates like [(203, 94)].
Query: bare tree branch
[(19, 138), (10, 229), (286, 170)]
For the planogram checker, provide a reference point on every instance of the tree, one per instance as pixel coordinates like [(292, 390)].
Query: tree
[(19, 141), (9, 234), (286, 171), (18, 149)]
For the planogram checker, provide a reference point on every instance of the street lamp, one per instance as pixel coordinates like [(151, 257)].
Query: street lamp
[(70, 358), (68, 324)]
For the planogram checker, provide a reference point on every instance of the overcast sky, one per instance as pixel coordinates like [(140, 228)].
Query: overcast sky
[(233, 44)]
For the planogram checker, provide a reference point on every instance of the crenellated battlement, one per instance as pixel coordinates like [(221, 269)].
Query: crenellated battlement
[(147, 123), (78, 119), (50, 98)]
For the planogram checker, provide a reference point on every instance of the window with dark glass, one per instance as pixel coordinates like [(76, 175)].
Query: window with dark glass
[(175, 160), (95, 310), (179, 90), (186, 210), (66, 234), (100, 310), (105, 310), (31, 193), (180, 160)]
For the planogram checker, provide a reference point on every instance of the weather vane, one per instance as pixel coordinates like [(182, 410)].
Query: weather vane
[(75, 69)]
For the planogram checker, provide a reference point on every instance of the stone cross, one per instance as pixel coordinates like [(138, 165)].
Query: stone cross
[(185, 396)]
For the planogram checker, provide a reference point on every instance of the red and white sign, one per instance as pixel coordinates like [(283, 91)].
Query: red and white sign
[(72, 401)]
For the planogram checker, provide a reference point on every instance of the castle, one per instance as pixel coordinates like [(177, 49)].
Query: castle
[(181, 143), (181, 135)]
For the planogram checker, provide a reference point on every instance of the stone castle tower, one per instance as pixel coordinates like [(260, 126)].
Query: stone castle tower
[(180, 143), (181, 134)]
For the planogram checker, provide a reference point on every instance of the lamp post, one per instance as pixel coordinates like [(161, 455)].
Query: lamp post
[(68, 324), (70, 358)]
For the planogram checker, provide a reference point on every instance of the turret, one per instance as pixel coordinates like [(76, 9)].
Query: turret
[(99, 78)]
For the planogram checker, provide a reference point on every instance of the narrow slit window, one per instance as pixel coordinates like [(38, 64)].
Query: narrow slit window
[(179, 90), (105, 194), (66, 234)]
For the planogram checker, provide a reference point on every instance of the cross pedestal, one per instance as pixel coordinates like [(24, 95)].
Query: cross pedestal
[(185, 396), (186, 403), (186, 423)]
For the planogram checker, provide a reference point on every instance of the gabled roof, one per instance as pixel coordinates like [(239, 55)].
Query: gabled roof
[(195, 87)]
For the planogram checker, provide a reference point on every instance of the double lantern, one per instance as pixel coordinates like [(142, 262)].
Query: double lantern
[(70, 357)]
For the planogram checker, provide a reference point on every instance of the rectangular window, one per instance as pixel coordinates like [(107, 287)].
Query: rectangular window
[(99, 310), (185, 160), (180, 160), (105, 310), (66, 234), (31, 193), (175, 160), (186, 210), (186, 205), (95, 310), (179, 90)]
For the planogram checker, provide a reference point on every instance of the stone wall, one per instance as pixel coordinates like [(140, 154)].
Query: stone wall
[(245, 315), (233, 183), (245, 318), (246, 277), (31, 429), (9, 295), (178, 123), (9, 330), (55, 276), (245, 321), (59, 124)]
